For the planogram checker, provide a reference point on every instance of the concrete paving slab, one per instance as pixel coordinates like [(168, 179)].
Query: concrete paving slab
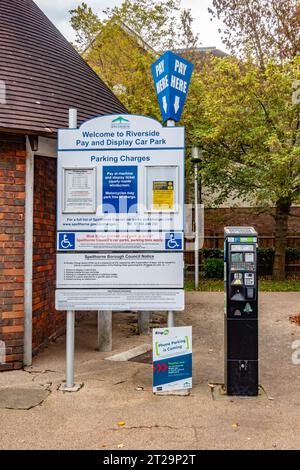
[(17, 398)]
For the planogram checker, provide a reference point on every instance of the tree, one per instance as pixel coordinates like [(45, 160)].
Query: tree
[(153, 20), (263, 29), (250, 127), (124, 65), (120, 48), (86, 24)]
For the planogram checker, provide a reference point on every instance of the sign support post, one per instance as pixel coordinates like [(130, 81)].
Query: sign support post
[(104, 331), (171, 314), (69, 386), (172, 75), (70, 350), (143, 322)]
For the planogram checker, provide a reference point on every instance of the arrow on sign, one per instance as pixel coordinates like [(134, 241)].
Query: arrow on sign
[(160, 367), (177, 103), (165, 104)]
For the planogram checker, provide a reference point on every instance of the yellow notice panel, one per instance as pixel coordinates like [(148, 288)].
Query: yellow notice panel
[(163, 195)]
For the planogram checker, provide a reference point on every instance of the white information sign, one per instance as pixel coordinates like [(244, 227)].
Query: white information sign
[(120, 215), (127, 270), (79, 190), (120, 299)]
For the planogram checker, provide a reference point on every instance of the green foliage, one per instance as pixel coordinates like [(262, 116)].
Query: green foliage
[(213, 253), (153, 20), (250, 129), (266, 257), (121, 46), (86, 24), (292, 254), (125, 67), (213, 268)]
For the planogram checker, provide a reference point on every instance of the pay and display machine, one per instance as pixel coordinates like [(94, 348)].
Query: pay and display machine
[(241, 312)]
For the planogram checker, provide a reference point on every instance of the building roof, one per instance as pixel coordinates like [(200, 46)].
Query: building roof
[(203, 51), (43, 75)]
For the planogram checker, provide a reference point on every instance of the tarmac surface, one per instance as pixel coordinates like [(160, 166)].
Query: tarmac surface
[(116, 409)]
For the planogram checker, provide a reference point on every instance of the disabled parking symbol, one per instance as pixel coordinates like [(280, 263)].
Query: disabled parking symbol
[(173, 241), (66, 241)]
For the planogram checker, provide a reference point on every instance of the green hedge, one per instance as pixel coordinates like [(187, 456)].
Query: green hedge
[(214, 268), (292, 254), (265, 255)]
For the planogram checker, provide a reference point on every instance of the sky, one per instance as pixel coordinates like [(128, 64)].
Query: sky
[(57, 11)]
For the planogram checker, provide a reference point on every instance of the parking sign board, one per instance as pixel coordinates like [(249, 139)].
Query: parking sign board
[(120, 214)]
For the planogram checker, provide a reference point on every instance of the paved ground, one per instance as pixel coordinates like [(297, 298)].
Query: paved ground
[(88, 419)]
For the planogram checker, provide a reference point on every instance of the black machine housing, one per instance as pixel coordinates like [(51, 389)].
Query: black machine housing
[(241, 311)]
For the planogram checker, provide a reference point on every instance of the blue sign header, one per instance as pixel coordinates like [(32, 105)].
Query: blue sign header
[(172, 75)]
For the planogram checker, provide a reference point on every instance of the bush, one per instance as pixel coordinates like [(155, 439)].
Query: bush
[(215, 253), (214, 268), (292, 254), (266, 256), (213, 260)]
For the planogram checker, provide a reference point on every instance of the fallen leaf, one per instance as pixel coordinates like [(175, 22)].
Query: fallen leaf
[(121, 423), (120, 446), (235, 425)]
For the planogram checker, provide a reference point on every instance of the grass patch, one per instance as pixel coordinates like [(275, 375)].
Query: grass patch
[(217, 285)]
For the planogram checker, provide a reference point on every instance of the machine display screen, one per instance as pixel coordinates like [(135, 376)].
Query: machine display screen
[(237, 257)]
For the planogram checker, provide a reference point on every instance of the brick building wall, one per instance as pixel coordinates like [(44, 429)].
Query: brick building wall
[(12, 205), (46, 321)]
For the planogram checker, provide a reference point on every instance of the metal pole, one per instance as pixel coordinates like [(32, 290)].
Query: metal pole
[(196, 229), (70, 333), (171, 315), (28, 253), (105, 331), (72, 118), (196, 159), (171, 318), (70, 349)]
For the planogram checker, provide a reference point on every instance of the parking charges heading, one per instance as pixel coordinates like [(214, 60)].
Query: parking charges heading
[(122, 158)]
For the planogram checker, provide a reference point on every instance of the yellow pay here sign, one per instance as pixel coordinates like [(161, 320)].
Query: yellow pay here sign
[(163, 195)]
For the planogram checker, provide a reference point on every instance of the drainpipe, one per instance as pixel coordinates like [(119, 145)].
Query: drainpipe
[(28, 269)]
